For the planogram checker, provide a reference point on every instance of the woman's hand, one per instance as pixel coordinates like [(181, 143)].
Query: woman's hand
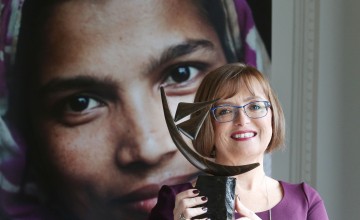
[(185, 203), (247, 213)]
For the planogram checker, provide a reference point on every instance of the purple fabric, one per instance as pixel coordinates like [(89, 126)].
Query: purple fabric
[(300, 201), (12, 154), (246, 24)]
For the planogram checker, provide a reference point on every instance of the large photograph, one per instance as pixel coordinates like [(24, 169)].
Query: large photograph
[(82, 131)]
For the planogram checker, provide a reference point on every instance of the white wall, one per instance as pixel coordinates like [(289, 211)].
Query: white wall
[(330, 132), (350, 75), (281, 77), (316, 59)]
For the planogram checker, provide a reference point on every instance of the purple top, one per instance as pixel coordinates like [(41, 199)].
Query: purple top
[(300, 201)]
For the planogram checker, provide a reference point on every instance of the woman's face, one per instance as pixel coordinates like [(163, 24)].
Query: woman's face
[(100, 115), (243, 140)]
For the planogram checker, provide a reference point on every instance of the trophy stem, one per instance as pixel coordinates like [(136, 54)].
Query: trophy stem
[(220, 191)]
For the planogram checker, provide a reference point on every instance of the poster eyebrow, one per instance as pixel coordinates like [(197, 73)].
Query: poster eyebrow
[(58, 85), (178, 50)]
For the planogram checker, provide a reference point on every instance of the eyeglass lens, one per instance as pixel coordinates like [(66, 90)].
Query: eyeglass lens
[(227, 113)]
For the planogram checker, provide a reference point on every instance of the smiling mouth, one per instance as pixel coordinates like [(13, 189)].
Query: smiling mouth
[(145, 198), (243, 135)]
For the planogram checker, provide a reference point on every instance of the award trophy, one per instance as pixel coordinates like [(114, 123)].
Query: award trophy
[(219, 186)]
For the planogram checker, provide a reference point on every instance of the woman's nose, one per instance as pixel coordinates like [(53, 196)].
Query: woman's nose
[(145, 140), (241, 118)]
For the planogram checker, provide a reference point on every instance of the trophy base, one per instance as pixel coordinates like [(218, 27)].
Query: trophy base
[(220, 191)]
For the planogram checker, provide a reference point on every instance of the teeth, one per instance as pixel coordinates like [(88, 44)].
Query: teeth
[(244, 135)]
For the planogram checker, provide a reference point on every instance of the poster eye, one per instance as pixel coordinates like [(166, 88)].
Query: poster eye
[(81, 103), (181, 74)]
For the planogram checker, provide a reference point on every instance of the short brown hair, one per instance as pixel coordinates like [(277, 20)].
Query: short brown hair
[(224, 82)]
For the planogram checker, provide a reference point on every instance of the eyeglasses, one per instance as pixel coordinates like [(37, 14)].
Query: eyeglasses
[(227, 113)]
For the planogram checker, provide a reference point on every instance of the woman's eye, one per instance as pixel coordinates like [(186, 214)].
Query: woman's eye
[(254, 107), (79, 104), (181, 74), (224, 111)]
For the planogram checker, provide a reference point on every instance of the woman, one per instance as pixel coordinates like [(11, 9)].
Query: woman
[(84, 101), (245, 123)]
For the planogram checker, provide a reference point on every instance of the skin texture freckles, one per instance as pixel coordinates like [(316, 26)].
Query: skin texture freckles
[(100, 119)]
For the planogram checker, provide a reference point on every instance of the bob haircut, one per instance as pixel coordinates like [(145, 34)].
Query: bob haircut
[(224, 82)]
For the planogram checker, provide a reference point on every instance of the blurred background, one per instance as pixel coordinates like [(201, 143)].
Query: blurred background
[(315, 60)]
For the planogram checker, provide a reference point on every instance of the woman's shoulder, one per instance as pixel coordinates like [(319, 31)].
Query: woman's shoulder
[(166, 201), (299, 188), (300, 191), (302, 198)]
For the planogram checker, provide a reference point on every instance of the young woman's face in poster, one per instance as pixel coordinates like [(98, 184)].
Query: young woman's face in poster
[(100, 116)]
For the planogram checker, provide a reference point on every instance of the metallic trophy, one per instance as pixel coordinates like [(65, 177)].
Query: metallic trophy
[(219, 186)]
